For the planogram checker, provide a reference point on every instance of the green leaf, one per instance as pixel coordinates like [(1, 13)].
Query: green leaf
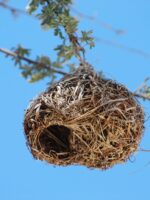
[(87, 38), (32, 6)]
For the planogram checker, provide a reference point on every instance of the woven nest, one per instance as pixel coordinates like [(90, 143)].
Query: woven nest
[(84, 119)]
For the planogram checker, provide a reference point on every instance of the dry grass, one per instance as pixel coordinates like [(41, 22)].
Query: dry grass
[(84, 119)]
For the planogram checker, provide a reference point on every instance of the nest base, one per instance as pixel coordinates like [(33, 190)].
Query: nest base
[(86, 120)]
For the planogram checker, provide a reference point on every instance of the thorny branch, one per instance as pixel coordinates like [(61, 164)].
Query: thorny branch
[(144, 150), (143, 91), (13, 10), (105, 25), (99, 22), (13, 54), (139, 52), (142, 96), (123, 47)]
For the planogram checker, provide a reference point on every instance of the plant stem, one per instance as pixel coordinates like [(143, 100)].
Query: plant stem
[(142, 96), (14, 54)]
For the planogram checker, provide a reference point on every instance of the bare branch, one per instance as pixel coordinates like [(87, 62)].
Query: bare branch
[(16, 11), (99, 22), (98, 39), (144, 150), (143, 90), (123, 47), (12, 9), (13, 54), (142, 96)]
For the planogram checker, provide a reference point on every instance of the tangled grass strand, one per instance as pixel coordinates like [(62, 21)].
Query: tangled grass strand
[(84, 119)]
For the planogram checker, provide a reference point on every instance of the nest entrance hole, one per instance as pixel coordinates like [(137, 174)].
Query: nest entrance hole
[(55, 139)]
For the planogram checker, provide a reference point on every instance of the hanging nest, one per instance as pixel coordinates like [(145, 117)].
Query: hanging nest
[(84, 119)]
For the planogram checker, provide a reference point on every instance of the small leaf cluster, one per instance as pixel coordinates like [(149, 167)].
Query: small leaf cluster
[(55, 15), (87, 38), (145, 89), (35, 70)]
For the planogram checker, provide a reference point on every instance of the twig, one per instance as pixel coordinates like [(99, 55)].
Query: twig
[(15, 11), (144, 150), (77, 48), (142, 96), (141, 92), (98, 39), (99, 22), (122, 46), (13, 54), (12, 9)]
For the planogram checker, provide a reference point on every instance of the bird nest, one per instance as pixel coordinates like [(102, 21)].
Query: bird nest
[(84, 119)]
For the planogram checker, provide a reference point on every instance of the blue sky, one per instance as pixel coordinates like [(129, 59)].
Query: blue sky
[(22, 177)]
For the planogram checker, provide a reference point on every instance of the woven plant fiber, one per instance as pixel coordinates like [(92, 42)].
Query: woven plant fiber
[(84, 119)]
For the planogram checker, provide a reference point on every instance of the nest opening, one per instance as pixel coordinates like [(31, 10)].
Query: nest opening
[(100, 122), (55, 139)]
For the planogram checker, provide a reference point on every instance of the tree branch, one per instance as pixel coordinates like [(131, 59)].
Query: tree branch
[(99, 22), (13, 54), (144, 150), (143, 90), (123, 47), (98, 39), (12, 9), (105, 25), (142, 96)]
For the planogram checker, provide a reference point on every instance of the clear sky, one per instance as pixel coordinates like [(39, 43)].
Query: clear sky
[(22, 177)]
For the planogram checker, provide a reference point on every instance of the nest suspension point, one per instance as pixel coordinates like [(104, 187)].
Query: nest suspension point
[(84, 119)]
